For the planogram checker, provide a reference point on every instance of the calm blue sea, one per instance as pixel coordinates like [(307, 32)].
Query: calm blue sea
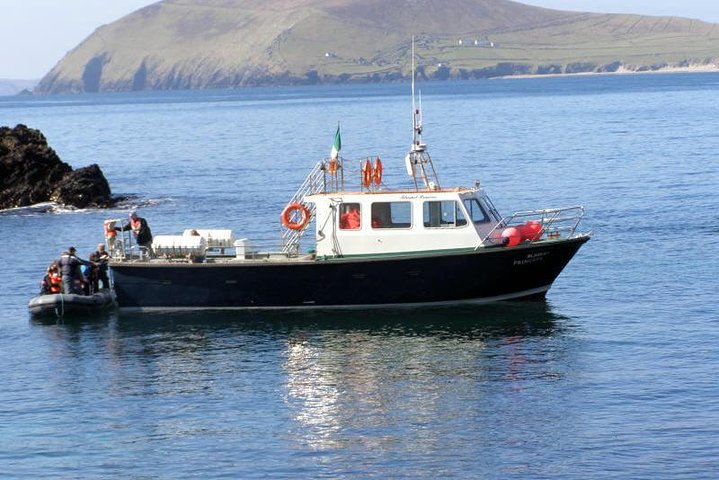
[(614, 376)]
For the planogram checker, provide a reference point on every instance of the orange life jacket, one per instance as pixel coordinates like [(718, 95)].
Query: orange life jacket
[(109, 230), (55, 282)]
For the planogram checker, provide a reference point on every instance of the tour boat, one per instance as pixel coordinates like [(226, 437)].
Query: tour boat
[(373, 247)]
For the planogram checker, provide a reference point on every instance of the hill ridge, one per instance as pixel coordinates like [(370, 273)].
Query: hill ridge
[(179, 44)]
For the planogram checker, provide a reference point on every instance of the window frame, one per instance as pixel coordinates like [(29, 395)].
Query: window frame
[(346, 207), (458, 208), (482, 209), (390, 225)]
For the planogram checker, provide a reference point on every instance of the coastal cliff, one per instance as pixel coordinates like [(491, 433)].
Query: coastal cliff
[(31, 172), (193, 44)]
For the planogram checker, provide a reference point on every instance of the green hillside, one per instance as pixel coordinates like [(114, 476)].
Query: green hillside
[(178, 44)]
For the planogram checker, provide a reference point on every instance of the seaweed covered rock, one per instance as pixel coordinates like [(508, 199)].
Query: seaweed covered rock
[(31, 172)]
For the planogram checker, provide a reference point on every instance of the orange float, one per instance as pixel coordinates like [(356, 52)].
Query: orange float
[(532, 230), (513, 236), (367, 173), (377, 172), (288, 212)]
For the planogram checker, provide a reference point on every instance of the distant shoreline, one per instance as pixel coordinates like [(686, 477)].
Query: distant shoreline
[(621, 71), (696, 68)]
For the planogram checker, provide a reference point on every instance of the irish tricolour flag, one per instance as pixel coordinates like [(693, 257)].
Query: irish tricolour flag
[(336, 146)]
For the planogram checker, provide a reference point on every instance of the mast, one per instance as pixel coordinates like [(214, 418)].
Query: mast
[(418, 162)]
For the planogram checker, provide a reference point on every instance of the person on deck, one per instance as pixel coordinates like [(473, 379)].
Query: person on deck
[(141, 230), (103, 259), (69, 264)]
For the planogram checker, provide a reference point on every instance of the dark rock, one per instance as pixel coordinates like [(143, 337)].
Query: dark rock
[(92, 74), (84, 187), (551, 69), (580, 67), (31, 172), (442, 73), (502, 69), (610, 67)]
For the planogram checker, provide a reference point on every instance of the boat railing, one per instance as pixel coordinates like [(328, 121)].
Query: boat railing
[(123, 246), (536, 225), (316, 181)]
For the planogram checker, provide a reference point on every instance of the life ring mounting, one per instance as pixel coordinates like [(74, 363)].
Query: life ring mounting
[(289, 216), (377, 172), (367, 174)]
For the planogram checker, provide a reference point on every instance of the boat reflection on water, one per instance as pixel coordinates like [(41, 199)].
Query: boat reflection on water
[(521, 318), (326, 374)]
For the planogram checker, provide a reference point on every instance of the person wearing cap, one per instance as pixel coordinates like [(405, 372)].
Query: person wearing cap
[(69, 266), (139, 227)]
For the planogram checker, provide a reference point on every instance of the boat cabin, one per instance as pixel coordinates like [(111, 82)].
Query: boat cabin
[(397, 222)]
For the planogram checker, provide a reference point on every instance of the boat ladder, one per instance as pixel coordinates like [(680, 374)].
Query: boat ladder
[(315, 182)]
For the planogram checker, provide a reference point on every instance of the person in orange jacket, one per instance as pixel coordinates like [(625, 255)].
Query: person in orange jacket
[(52, 281)]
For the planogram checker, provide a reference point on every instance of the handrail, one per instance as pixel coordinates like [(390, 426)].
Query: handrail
[(125, 247), (314, 182), (554, 222)]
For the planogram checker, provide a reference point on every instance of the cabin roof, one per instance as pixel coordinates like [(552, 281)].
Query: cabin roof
[(392, 192)]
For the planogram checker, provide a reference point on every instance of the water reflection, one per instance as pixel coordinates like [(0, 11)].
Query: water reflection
[(508, 319), (501, 319), (339, 378), (360, 381)]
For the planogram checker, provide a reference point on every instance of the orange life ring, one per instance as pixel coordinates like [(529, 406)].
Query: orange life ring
[(377, 172), (367, 173), (287, 214), (332, 166)]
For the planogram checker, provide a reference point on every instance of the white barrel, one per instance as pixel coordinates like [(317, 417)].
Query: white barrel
[(243, 248), (179, 246)]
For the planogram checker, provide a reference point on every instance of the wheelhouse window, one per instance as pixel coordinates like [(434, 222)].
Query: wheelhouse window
[(476, 212), (350, 216), (443, 214), (391, 215)]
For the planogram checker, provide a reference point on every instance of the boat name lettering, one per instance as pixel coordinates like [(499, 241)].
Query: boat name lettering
[(531, 258), (414, 197)]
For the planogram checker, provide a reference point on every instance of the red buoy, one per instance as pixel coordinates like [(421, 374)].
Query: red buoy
[(513, 236), (532, 230)]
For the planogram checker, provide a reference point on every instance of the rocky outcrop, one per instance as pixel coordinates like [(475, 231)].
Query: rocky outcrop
[(31, 172), (15, 87)]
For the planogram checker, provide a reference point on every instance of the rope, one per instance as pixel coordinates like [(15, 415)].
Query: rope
[(62, 305)]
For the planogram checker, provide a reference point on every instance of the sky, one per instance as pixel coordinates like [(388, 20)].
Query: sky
[(36, 34)]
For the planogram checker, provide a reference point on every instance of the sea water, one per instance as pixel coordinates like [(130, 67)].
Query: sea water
[(614, 376)]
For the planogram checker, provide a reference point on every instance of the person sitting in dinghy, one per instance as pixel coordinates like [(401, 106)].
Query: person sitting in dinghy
[(52, 281)]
